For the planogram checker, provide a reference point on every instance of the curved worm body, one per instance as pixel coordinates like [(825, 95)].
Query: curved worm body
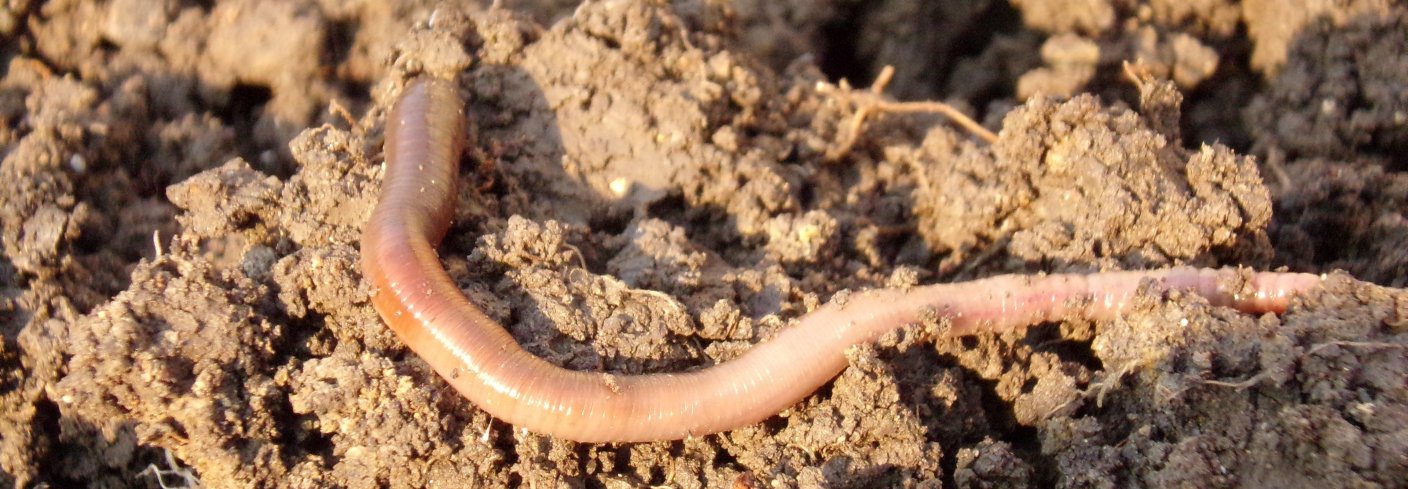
[(417, 299)]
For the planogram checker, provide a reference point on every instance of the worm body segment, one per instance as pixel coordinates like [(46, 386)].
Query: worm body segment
[(419, 301)]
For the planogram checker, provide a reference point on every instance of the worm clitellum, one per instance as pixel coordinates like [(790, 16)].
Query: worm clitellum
[(417, 298)]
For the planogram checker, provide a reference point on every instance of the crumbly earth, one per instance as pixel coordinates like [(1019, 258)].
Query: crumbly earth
[(655, 187)]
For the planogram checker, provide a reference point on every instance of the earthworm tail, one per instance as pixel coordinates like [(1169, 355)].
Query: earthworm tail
[(416, 298)]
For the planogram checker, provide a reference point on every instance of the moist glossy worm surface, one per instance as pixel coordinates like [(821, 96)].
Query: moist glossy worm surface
[(416, 297)]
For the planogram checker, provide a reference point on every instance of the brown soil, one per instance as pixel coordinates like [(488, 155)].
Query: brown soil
[(656, 187)]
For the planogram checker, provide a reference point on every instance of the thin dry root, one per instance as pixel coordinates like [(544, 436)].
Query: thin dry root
[(1241, 385), (1138, 74), (1357, 344), (184, 477), (336, 108), (851, 132)]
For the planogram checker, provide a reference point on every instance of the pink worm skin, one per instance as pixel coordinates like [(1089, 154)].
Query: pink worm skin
[(417, 299)]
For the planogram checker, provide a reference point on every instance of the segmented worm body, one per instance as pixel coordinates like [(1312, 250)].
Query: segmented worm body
[(417, 299)]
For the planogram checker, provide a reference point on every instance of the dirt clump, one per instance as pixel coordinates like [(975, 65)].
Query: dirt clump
[(656, 187)]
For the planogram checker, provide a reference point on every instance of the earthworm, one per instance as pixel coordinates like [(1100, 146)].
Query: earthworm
[(417, 298)]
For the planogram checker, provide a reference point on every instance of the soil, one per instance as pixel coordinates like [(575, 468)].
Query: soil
[(655, 187)]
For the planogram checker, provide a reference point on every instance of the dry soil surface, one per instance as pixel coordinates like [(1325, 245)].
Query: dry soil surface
[(654, 187)]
